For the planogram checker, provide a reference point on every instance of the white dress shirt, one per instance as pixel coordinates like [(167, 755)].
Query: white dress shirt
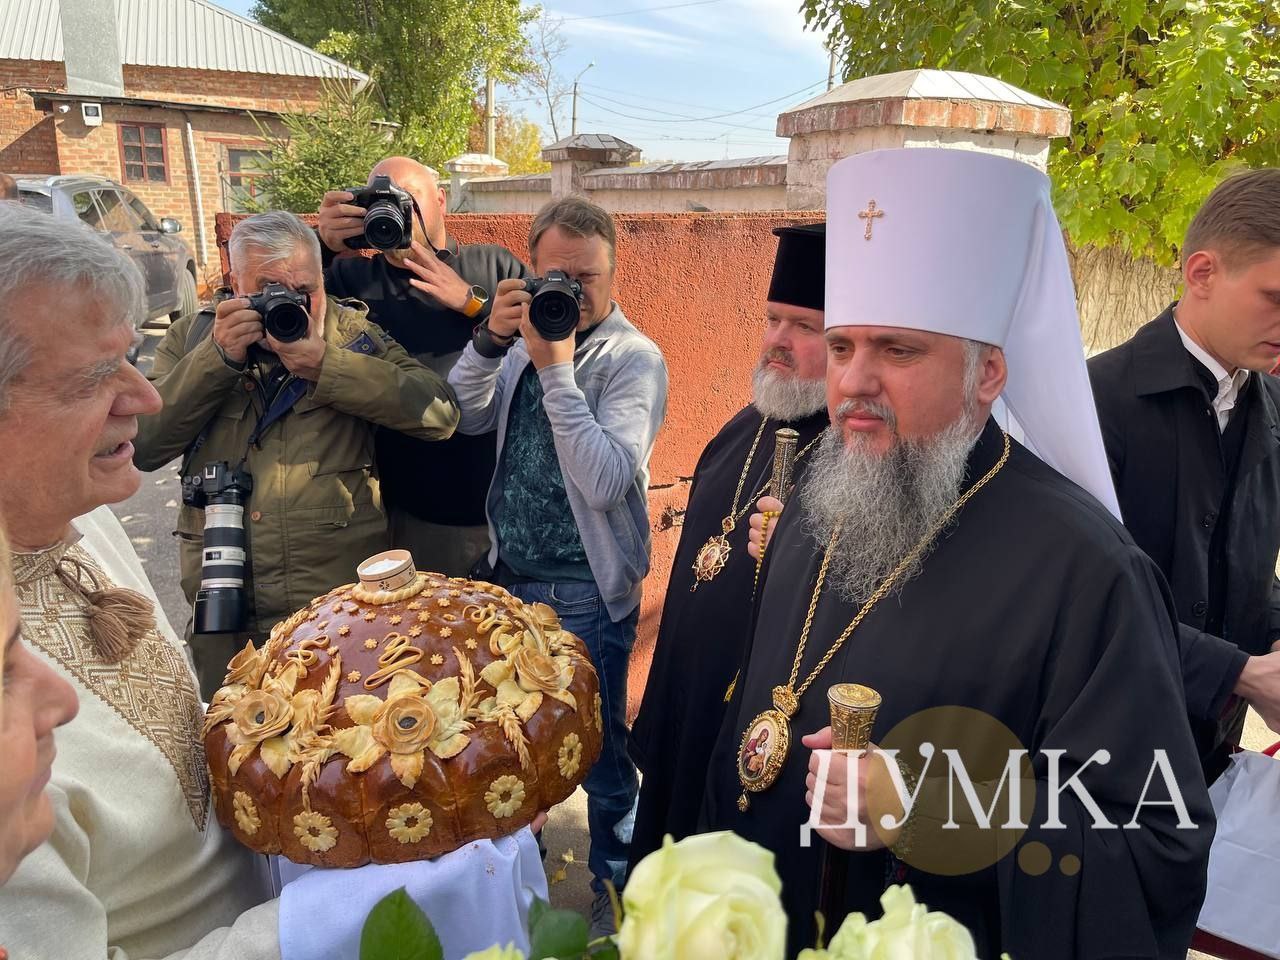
[(1229, 384)]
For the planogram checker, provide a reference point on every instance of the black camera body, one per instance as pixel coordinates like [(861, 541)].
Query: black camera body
[(284, 312), (221, 604), (388, 220), (556, 305)]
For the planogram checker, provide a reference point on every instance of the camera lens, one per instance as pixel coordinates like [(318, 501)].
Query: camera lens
[(221, 605), (286, 320), (384, 227), (554, 312)]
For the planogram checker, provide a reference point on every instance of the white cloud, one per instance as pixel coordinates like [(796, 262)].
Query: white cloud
[(752, 24), (643, 39)]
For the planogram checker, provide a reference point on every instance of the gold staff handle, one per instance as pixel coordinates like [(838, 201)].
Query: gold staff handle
[(853, 713)]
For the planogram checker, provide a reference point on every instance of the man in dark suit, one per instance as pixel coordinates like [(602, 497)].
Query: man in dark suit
[(1191, 422)]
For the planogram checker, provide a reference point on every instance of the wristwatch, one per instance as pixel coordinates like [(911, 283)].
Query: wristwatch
[(479, 297)]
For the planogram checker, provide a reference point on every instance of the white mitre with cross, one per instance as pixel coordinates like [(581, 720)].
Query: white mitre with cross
[(967, 244)]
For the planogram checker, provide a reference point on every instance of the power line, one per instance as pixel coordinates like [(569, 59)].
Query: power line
[(678, 103), (653, 135), (628, 13), (663, 120), (734, 113), (683, 116)]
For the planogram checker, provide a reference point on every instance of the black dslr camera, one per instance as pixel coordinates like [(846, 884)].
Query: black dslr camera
[(556, 305), (284, 311), (221, 605), (388, 221)]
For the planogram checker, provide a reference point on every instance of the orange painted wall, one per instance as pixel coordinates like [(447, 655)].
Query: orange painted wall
[(695, 283)]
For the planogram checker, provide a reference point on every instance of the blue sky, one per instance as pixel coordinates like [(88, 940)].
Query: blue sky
[(659, 75)]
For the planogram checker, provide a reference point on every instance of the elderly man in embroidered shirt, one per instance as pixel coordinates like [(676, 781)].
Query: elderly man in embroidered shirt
[(135, 868)]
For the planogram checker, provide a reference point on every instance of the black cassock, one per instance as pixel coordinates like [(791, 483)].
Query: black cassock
[(703, 633), (1037, 609)]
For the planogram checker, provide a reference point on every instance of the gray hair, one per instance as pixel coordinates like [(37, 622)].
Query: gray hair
[(274, 236), (38, 251), (575, 215)]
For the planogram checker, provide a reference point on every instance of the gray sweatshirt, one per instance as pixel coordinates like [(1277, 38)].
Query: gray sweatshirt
[(605, 410)]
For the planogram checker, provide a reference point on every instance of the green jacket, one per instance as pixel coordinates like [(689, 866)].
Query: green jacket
[(315, 511)]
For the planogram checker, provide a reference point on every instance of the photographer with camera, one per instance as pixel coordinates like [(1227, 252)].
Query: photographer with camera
[(429, 292), (272, 398), (577, 395)]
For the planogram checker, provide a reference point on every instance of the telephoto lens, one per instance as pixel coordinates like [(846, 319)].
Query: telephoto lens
[(221, 603), (283, 311), (556, 305)]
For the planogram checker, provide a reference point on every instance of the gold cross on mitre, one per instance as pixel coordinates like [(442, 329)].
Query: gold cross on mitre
[(871, 214)]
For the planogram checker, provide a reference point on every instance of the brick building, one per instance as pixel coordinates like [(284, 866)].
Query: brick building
[(171, 84)]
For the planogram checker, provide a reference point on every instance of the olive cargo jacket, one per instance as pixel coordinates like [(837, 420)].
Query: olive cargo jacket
[(315, 511)]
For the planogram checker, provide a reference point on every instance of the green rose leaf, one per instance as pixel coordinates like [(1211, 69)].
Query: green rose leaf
[(605, 951), (397, 929), (558, 934), (536, 911)]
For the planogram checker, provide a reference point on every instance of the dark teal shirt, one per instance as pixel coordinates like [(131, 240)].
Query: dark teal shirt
[(537, 535)]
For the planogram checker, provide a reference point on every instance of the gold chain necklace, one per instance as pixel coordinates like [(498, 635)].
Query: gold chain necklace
[(714, 554), (767, 739)]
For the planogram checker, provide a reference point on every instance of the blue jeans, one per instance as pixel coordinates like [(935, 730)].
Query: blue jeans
[(612, 783)]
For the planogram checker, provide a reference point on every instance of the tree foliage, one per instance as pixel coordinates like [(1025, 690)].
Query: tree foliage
[(427, 57), (331, 148), (517, 140), (1166, 96)]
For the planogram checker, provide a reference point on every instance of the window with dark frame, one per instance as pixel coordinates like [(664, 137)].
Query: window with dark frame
[(143, 153)]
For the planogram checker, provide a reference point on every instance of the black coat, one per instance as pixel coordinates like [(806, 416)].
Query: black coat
[(703, 633), (1171, 476)]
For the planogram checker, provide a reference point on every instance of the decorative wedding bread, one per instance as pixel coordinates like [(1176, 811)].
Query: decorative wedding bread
[(400, 718)]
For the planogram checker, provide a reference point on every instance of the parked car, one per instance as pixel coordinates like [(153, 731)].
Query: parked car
[(166, 262)]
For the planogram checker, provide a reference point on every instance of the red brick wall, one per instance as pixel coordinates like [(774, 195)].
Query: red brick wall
[(253, 91), (695, 283), (27, 142), (32, 141)]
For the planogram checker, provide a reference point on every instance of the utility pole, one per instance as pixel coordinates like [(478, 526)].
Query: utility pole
[(490, 132), (573, 128), (831, 71)]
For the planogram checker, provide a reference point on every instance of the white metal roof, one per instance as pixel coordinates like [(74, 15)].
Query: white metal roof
[(928, 85), (193, 34)]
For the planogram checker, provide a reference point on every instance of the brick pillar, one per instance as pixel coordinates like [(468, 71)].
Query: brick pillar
[(468, 167), (575, 156), (913, 108)]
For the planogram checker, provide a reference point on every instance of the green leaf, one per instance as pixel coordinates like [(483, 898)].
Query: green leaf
[(397, 929), (558, 935), (605, 951), (537, 910)]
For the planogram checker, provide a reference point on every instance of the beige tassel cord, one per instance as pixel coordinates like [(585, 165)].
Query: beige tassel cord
[(118, 617)]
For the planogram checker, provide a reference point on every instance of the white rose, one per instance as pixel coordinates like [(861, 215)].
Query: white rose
[(712, 895), (907, 931)]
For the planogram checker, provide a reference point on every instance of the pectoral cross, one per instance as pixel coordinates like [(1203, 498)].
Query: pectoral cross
[(871, 214)]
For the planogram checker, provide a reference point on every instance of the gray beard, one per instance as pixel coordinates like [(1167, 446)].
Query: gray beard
[(786, 398), (884, 504)]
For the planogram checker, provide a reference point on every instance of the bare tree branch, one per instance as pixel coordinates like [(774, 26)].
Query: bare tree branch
[(543, 80)]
